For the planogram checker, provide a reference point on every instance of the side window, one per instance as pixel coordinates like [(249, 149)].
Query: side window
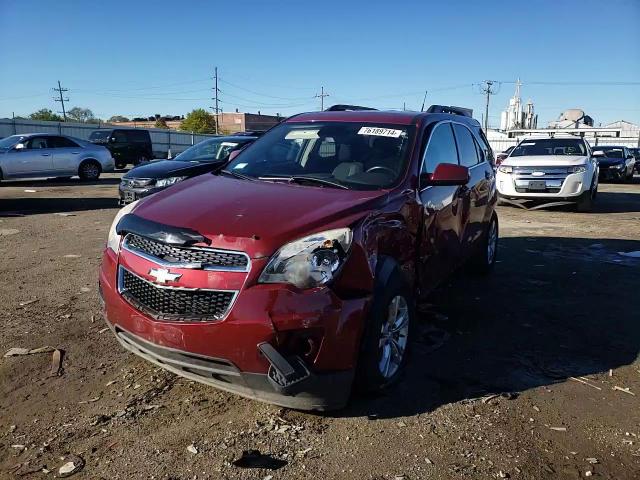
[(441, 148), (118, 136), (37, 142), (139, 136), (467, 152), (61, 142)]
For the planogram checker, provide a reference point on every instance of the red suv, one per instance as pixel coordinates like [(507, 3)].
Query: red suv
[(292, 275)]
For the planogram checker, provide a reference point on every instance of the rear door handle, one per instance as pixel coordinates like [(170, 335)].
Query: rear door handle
[(45, 154), (75, 153)]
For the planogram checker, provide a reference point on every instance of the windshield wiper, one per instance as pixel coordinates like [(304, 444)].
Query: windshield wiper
[(302, 179), (241, 176)]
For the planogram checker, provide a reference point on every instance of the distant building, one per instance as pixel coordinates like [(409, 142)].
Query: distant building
[(514, 116), (232, 122), (627, 129), (572, 118)]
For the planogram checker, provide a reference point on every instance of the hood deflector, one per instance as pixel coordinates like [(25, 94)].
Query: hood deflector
[(179, 236)]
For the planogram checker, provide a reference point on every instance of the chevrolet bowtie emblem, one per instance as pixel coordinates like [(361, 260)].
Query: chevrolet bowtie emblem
[(162, 275)]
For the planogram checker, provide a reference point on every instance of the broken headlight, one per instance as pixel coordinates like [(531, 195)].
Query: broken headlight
[(113, 241), (505, 169), (165, 182), (311, 261)]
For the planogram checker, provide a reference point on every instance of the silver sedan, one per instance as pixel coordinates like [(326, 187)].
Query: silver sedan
[(38, 155)]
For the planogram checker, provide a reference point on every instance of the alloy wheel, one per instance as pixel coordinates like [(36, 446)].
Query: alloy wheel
[(393, 337)]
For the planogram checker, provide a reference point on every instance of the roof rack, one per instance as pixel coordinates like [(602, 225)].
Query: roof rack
[(466, 112), (347, 108)]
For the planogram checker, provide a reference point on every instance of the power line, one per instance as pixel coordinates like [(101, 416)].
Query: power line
[(321, 97), (60, 91)]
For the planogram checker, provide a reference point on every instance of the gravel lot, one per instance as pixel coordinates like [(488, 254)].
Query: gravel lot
[(551, 333)]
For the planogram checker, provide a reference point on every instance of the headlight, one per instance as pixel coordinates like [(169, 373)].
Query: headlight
[(165, 182), (113, 241), (619, 166), (505, 169), (310, 261), (577, 169)]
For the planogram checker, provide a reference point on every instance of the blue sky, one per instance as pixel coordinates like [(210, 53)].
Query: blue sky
[(138, 58)]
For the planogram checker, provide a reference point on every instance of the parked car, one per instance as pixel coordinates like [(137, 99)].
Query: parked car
[(250, 133), (616, 163), (204, 157), (293, 275), (546, 170), (502, 155), (127, 145), (37, 155), (636, 154)]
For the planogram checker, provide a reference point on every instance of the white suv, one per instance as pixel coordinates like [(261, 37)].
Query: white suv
[(557, 170)]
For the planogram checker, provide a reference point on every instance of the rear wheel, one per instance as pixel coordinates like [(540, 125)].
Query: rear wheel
[(385, 343), (89, 170), (140, 160)]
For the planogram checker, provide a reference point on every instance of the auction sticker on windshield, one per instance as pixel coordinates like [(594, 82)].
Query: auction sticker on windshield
[(380, 132)]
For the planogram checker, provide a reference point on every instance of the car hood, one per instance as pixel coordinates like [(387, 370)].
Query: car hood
[(607, 162), (545, 161), (170, 168), (256, 217)]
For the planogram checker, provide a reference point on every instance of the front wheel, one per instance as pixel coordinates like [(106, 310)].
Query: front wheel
[(484, 258), (385, 342), (585, 203)]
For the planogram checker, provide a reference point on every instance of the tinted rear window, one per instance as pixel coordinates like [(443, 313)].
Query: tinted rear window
[(138, 136)]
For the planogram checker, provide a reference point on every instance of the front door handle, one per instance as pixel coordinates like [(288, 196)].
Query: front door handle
[(75, 153), (45, 154)]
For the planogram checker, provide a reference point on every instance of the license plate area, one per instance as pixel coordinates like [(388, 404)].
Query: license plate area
[(537, 185), (129, 197)]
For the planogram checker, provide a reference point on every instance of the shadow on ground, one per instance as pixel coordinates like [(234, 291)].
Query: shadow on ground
[(554, 308), (32, 206)]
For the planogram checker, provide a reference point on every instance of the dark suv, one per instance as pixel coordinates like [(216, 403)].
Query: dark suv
[(127, 145), (293, 274)]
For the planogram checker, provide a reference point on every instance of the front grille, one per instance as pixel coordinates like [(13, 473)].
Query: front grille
[(205, 257), (174, 303)]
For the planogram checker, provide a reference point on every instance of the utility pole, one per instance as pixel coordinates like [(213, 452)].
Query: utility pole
[(61, 99), (487, 89), (215, 90), (424, 99), (321, 97)]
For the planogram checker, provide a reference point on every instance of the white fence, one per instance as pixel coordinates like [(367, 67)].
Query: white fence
[(163, 140)]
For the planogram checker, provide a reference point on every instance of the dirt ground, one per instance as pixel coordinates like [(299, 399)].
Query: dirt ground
[(554, 333)]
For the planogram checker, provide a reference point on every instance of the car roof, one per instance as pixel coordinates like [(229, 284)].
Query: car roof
[(608, 146), (398, 117), (562, 136)]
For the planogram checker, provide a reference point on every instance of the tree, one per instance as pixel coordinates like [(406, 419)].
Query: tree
[(161, 123), (45, 114), (118, 118), (199, 121), (82, 115)]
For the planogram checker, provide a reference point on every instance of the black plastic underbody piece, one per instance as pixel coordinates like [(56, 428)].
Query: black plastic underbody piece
[(131, 223), (285, 374)]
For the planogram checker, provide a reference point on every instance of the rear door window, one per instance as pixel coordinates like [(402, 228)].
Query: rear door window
[(440, 149), (467, 152), (61, 142), (119, 136)]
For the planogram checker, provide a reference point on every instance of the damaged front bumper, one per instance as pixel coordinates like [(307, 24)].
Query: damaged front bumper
[(253, 351)]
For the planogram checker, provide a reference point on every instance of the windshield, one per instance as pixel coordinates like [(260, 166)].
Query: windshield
[(550, 146), (353, 155), (214, 150), (609, 152), (7, 143), (99, 136)]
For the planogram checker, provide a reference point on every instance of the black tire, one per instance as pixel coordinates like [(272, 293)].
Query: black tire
[(484, 259), (585, 203), (140, 160), (370, 377), (89, 170), (120, 166)]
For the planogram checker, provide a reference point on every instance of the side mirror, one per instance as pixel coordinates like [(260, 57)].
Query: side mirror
[(446, 174), (234, 154)]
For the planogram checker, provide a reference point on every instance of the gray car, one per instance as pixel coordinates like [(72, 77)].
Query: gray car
[(37, 155)]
